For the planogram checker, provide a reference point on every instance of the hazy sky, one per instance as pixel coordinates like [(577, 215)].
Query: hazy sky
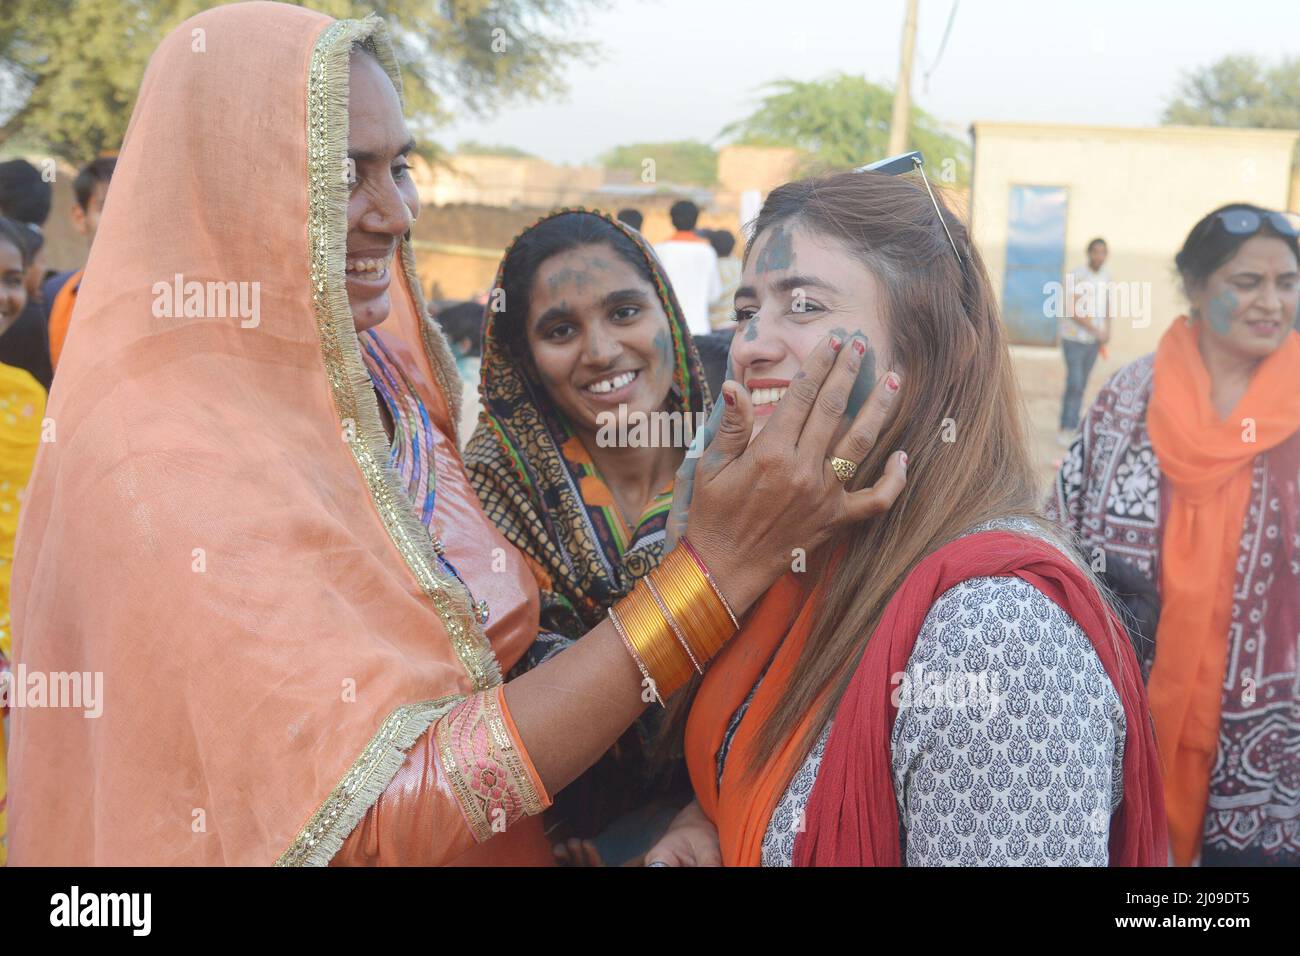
[(683, 69)]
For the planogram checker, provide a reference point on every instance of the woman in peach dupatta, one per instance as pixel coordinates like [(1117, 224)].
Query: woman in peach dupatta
[(240, 529)]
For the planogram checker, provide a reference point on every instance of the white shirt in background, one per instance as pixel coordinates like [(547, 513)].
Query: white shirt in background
[(692, 268), (1092, 306)]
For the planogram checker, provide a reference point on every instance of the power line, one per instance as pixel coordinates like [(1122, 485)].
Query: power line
[(943, 44)]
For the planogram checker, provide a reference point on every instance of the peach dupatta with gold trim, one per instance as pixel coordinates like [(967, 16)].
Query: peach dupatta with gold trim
[(216, 529)]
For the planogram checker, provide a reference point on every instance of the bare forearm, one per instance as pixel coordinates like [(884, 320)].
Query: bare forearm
[(572, 709)]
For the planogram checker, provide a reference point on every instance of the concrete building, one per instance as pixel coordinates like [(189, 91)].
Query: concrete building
[(1041, 191), (508, 181)]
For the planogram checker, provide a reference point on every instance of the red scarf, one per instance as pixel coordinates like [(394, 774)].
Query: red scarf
[(852, 814)]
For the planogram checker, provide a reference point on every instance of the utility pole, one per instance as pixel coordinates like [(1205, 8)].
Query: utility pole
[(898, 124)]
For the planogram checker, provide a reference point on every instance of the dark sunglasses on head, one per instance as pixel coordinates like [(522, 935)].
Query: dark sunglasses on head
[(905, 163), (1247, 222)]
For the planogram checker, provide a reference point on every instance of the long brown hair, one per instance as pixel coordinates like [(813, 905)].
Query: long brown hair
[(959, 416)]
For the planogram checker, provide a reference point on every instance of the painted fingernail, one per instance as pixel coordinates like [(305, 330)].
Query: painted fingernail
[(836, 342), (729, 398), (903, 458), (891, 382), (860, 346)]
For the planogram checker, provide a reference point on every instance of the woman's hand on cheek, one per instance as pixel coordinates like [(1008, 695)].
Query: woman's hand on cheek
[(754, 504), (684, 483)]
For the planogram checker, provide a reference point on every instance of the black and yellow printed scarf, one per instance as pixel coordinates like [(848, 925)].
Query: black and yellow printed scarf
[(538, 484)]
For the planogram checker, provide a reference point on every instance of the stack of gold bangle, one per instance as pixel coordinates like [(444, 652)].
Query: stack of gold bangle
[(674, 621)]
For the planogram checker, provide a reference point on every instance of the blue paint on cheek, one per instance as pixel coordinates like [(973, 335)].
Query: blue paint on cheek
[(863, 385), (663, 344), (1222, 308)]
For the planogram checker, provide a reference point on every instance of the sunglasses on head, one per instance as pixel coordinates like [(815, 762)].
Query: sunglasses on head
[(1247, 222), (906, 163)]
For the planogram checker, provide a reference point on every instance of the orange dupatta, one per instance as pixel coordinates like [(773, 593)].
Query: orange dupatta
[(1208, 463), (61, 315), (217, 530), (741, 813)]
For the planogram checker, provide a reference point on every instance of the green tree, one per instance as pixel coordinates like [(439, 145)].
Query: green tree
[(70, 69), (1239, 91), (686, 162), (842, 121)]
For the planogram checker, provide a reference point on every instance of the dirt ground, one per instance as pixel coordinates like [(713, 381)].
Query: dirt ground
[(1042, 381)]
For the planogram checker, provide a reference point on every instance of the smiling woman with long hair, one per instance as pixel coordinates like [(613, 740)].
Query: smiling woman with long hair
[(943, 685)]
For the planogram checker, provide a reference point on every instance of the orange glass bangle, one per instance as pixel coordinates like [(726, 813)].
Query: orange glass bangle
[(699, 562), (652, 638), (672, 623), (693, 604)]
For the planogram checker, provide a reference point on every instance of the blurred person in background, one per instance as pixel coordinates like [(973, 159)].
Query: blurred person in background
[(723, 309), (462, 323), (631, 217), (692, 265), (25, 197), (22, 408), (714, 350), (1085, 329), (60, 292), (1182, 486)]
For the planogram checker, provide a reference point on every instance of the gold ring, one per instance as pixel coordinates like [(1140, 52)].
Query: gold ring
[(844, 469)]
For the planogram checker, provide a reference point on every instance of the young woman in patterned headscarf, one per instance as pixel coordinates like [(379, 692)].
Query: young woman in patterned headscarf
[(591, 392)]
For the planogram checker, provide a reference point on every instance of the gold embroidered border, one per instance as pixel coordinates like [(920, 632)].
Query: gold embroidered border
[(358, 415), (358, 412), (329, 826), (501, 753)]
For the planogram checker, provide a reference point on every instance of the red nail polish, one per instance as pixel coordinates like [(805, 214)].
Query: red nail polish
[(903, 459), (891, 383), (729, 399), (835, 344), (859, 346)]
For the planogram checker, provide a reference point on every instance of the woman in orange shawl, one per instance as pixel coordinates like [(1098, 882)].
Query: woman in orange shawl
[(22, 407), (944, 685), (1183, 479), (255, 532)]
